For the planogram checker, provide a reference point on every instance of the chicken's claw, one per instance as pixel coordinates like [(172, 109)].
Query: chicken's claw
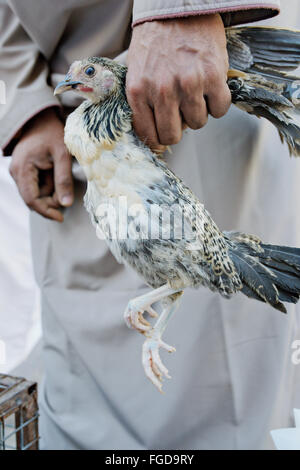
[(134, 319), (153, 366)]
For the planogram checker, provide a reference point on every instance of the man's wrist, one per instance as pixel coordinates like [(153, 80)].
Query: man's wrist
[(48, 112)]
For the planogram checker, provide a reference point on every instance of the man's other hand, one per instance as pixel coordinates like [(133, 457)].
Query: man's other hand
[(42, 167), (177, 74)]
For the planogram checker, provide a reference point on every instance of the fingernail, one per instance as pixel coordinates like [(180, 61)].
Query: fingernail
[(66, 200)]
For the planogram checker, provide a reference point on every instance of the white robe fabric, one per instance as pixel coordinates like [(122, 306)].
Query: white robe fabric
[(20, 326), (233, 379)]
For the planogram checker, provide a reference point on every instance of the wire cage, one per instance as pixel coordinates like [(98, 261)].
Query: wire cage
[(18, 414)]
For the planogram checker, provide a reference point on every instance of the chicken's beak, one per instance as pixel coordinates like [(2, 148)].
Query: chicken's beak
[(66, 85)]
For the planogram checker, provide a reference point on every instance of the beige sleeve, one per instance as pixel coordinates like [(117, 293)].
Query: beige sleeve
[(24, 91), (232, 11)]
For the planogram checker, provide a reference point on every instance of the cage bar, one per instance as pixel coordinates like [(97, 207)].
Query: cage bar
[(18, 414)]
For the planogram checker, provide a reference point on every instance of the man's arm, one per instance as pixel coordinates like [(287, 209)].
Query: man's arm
[(30, 129), (178, 63)]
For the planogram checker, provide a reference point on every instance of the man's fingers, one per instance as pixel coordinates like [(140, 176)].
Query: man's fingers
[(46, 183), (27, 179), (142, 115), (63, 179), (195, 113), (219, 100), (47, 207), (168, 122), (144, 126)]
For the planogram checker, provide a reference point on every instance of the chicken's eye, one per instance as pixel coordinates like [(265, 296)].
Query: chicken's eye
[(89, 71)]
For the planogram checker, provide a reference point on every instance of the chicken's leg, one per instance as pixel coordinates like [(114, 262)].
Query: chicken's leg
[(133, 315), (153, 366)]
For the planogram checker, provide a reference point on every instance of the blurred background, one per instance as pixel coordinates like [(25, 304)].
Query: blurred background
[(20, 330)]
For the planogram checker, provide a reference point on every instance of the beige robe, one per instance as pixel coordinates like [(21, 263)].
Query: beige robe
[(233, 377)]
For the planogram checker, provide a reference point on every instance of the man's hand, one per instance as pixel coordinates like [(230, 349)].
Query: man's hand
[(41, 166), (177, 74)]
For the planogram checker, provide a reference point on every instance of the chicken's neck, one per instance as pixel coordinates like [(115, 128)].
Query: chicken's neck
[(108, 120)]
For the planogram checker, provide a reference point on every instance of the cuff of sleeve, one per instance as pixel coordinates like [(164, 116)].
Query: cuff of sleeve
[(232, 12), (20, 112)]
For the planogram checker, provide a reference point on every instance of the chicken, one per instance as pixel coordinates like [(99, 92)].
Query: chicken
[(150, 219)]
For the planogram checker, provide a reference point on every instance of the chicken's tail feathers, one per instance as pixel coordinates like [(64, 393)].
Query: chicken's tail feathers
[(260, 80), (269, 273)]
